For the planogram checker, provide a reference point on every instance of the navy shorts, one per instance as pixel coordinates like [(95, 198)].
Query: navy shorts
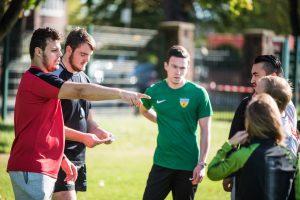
[(80, 184)]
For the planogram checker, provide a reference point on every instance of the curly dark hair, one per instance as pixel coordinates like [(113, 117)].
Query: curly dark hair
[(39, 39)]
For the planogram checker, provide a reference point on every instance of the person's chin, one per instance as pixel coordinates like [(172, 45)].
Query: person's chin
[(54, 68), (179, 80), (79, 68)]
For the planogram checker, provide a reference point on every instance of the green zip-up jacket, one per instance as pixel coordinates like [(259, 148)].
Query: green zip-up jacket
[(264, 170)]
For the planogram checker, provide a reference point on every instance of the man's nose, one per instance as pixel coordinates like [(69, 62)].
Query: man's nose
[(87, 59), (252, 80)]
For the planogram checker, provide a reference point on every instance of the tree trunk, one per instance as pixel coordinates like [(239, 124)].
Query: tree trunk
[(294, 17), (178, 10), (16, 37), (10, 17)]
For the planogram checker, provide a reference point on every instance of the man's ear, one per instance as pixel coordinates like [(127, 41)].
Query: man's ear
[(69, 50), (38, 51), (165, 65)]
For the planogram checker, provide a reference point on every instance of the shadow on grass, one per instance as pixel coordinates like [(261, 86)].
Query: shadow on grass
[(6, 137), (6, 127), (222, 119), (223, 116)]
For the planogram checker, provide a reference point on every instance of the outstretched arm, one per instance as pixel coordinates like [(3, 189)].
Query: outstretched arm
[(93, 92)]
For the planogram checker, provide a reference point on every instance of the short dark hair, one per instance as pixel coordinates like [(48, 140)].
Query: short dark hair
[(79, 36), (177, 51), (40, 37), (271, 64)]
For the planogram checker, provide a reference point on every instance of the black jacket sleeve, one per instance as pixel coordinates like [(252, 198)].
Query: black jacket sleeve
[(238, 122)]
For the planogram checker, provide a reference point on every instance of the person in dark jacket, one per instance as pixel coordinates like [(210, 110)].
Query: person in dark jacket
[(263, 65), (81, 129), (264, 167)]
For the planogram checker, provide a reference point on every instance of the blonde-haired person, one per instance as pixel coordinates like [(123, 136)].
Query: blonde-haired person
[(278, 88), (264, 166), (281, 91)]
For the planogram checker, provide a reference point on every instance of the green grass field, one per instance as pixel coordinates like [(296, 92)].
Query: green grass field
[(119, 171)]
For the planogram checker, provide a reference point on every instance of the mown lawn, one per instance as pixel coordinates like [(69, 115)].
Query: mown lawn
[(119, 171)]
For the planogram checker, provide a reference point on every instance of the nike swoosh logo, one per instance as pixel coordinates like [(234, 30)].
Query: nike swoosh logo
[(160, 101)]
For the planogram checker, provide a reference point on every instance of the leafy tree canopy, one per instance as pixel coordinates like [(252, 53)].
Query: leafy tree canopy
[(11, 10), (269, 14), (218, 15), (149, 13)]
